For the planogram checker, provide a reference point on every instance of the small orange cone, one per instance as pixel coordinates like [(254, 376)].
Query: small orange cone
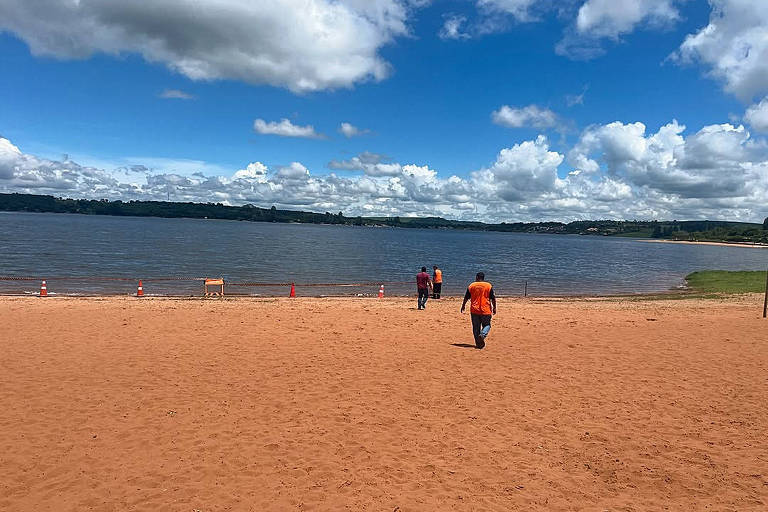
[(140, 290), (381, 292), (293, 290), (43, 289)]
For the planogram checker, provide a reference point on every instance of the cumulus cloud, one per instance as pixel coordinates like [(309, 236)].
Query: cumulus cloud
[(757, 115), (285, 128), (719, 162), (295, 171), (617, 170), (29, 173), (253, 171), (525, 170), (617, 142), (175, 94), (592, 23), (530, 116), (609, 18), (303, 45), (10, 155), (371, 164), (734, 46), (349, 130), (598, 20)]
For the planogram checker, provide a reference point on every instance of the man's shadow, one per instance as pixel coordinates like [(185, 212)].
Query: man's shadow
[(464, 345)]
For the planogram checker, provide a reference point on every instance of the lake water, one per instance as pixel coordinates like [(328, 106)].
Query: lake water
[(64, 245)]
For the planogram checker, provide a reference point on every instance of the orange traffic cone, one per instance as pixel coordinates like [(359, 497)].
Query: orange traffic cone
[(43, 289), (140, 290), (293, 290), (381, 292)]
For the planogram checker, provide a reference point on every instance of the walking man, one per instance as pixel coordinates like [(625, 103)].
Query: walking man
[(437, 282), (422, 283), (482, 307)]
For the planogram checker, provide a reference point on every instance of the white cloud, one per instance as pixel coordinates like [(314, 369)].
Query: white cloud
[(519, 9), (452, 27), (617, 142), (532, 115), (734, 45), (295, 171), (371, 164), (171, 94), (285, 128), (524, 171), (9, 156), (254, 171), (719, 163), (492, 16), (303, 45), (349, 130), (757, 115), (594, 21), (611, 18)]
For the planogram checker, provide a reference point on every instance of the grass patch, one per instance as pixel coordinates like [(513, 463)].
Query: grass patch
[(676, 296), (723, 281)]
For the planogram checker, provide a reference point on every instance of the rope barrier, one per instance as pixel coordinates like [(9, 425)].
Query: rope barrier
[(158, 279), (258, 284), (97, 278), (207, 282), (153, 279), (310, 285)]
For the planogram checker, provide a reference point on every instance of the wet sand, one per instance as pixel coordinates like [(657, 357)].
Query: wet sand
[(126, 404)]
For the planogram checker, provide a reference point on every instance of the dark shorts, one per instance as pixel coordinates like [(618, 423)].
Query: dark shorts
[(478, 322), (436, 289)]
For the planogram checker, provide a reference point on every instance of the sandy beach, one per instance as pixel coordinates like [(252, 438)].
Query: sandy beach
[(122, 404)]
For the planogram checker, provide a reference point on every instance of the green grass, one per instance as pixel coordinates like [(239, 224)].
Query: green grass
[(723, 281)]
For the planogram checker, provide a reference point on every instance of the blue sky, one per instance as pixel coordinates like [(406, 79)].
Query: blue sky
[(424, 83)]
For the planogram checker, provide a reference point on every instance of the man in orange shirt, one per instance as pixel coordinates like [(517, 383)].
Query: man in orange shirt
[(482, 307), (437, 282)]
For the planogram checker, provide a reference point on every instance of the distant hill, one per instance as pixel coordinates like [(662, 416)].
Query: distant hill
[(704, 230)]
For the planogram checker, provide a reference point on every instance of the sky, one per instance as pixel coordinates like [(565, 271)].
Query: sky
[(491, 110)]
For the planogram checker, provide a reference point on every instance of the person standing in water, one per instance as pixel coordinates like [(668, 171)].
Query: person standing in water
[(422, 284), (482, 308), (437, 282)]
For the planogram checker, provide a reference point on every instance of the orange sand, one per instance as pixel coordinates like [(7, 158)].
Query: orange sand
[(360, 404)]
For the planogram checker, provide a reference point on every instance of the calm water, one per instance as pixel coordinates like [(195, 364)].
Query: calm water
[(50, 245)]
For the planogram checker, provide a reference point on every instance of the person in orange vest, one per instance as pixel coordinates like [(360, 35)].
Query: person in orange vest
[(482, 307), (437, 282)]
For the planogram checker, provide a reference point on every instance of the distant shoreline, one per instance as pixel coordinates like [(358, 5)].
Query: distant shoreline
[(722, 244), (702, 229)]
